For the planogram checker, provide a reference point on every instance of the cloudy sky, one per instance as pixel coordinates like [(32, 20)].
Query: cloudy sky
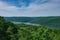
[(30, 8)]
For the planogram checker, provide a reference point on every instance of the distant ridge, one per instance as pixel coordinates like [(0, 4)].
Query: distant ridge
[(53, 21)]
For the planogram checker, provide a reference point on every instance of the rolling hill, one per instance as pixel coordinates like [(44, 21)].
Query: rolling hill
[(52, 21)]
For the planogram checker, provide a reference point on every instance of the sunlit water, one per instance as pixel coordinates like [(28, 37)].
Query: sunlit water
[(26, 23)]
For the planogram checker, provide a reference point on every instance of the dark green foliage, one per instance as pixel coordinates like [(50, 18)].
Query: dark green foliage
[(10, 31), (7, 30), (28, 32)]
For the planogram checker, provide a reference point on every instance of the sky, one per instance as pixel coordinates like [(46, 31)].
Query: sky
[(30, 8)]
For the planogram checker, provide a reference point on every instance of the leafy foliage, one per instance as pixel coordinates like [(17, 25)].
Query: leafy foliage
[(7, 30), (28, 32), (10, 31)]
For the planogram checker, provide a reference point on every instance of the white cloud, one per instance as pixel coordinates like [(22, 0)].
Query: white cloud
[(48, 9), (5, 6)]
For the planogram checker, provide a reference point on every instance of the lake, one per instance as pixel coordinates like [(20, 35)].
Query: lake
[(27, 23)]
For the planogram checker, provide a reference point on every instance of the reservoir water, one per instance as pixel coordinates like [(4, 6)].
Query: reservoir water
[(27, 23)]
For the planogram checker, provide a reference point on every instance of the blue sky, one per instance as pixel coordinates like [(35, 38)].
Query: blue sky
[(31, 8)]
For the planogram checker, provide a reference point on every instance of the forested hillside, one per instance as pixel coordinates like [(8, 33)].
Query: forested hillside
[(28, 32), (48, 21), (19, 19), (10, 31), (53, 21)]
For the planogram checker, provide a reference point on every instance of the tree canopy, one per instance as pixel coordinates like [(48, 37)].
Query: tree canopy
[(10, 31)]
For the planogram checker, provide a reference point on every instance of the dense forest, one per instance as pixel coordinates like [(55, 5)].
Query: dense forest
[(10, 31), (48, 21)]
